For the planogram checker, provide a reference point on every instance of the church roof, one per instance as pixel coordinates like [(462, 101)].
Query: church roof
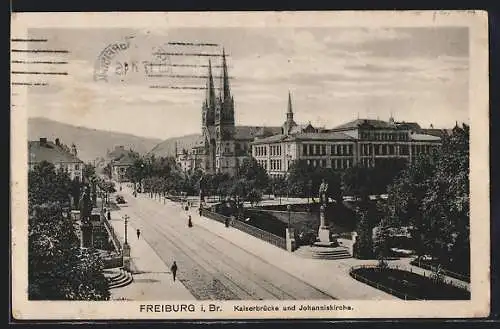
[(251, 132)]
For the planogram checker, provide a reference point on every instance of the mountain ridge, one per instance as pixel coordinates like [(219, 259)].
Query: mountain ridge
[(91, 143)]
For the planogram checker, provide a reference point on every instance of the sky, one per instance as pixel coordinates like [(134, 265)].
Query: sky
[(334, 75)]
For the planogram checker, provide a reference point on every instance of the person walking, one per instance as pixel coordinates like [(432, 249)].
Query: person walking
[(173, 269), (109, 216), (138, 233), (190, 222)]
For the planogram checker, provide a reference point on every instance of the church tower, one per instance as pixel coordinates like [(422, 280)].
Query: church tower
[(289, 123), (224, 125), (208, 110)]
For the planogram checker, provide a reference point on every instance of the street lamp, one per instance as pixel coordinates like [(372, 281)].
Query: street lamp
[(125, 218)]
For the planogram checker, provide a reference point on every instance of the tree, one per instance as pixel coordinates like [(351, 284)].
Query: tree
[(432, 196), (253, 172), (381, 241), (254, 196), (57, 268), (356, 181), (48, 185), (107, 170), (363, 247), (88, 171)]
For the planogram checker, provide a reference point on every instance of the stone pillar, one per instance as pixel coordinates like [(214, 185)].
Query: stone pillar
[(324, 231), (126, 256), (290, 239)]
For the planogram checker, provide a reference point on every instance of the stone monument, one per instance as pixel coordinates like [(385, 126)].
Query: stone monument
[(324, 247), (324, 230)]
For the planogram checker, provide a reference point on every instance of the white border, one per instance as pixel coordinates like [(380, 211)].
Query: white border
[(477, 22)]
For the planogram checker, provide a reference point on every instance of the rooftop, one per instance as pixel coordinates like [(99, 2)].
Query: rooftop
[(424, 137), (43, 150), (251, 132), (377, 124), (306, 136)]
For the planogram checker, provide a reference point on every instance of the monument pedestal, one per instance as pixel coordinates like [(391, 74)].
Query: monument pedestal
[(323, 231)]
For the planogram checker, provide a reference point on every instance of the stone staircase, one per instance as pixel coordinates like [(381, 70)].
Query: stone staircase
[(120, 279), (329, 253)]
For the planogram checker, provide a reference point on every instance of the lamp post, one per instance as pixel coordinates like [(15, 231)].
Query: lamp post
[(125, 218)]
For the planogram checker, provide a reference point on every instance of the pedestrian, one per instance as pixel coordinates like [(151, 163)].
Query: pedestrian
[(109, 216), (173, 269), (138, 233), (190, 222)]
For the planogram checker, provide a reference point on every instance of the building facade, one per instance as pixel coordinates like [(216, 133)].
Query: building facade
[(362, 142), (119, 161), (59, 155)]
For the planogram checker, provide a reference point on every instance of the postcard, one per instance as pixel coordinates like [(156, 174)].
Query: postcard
[(250, 165)]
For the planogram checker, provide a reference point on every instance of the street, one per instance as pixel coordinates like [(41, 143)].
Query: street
[(210, 267)]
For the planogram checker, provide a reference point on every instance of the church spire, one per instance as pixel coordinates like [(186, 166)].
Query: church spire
[(210, 87), (225, 90), (289, 113)]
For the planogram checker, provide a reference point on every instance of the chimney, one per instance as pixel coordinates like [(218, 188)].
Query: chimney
[(43, 141)]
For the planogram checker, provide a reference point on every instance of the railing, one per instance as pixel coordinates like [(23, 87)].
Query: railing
[(214, 216), (249, 229), (429, 267), (112, 234), (113, 262)]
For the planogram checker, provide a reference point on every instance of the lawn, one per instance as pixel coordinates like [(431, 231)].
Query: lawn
[(408, 285)]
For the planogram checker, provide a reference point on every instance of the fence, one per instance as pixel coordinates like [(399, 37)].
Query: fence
[(113, 262), (429, 267), (112, 234), (249, 229)]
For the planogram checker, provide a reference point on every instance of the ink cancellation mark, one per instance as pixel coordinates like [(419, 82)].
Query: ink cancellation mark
[(105, 58), (163, 63)]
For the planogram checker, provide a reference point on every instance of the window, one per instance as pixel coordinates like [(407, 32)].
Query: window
[(304, 149), (77, 166), (323, 149), (323, 163), (348, 163)]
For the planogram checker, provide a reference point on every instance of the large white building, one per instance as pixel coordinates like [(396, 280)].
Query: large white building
[(361, 142)]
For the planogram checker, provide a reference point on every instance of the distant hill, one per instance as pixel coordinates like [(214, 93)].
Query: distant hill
[(167, 147), (90, 143)]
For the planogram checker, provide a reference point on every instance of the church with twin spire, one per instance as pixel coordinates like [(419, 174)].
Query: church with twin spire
[(223, 145)]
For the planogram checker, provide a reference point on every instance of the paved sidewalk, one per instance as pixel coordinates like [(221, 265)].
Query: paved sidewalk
[(152, 277), (330, 276)]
